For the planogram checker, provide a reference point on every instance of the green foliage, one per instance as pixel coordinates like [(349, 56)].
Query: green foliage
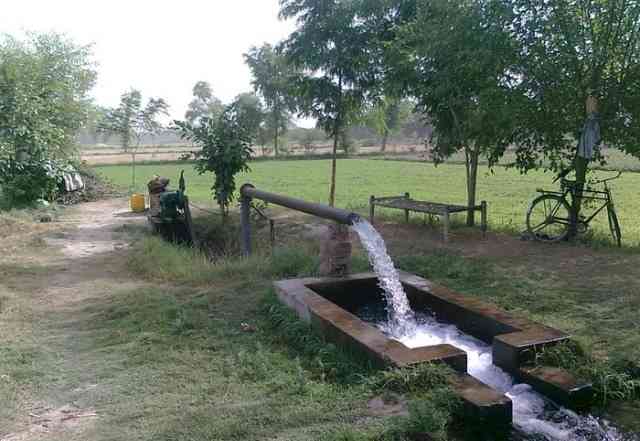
[(460, 62), (204, 104), (24, 182), (413, 379), (225, 149), (272, 80), (131, 121), (44, 82), (431, 415), (331, 47), (327, 361), (249, 110), (571, 50), (387, 116)]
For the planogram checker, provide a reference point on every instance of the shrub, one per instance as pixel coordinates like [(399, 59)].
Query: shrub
[(24, 182), (225, 150)]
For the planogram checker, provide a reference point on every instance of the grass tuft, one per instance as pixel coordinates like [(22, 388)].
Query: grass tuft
[(611, 380)]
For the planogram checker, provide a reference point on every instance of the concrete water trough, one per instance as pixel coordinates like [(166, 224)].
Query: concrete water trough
[(332, 306)]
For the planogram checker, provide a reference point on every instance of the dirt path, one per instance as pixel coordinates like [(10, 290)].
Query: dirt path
[(82, 262)]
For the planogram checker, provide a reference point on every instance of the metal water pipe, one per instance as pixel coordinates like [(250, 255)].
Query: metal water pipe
[(248, 192)]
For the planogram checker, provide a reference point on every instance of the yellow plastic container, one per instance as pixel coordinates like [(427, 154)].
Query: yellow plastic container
[(137, 203)]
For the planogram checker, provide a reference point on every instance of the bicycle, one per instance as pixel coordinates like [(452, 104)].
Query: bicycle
[(551, 216)]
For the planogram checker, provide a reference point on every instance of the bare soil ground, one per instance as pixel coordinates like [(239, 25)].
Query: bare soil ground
[(78, 259)]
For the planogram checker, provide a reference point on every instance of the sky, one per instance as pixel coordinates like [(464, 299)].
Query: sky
[(160, 47)]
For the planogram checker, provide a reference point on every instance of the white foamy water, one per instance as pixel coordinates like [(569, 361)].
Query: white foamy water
[(401, 316), (532, 413)]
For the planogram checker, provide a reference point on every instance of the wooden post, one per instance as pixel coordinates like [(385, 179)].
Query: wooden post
[(189, 222), (446, 220), (406, 212), (483, 225), (272, 233), (372, 208), (245, 222)]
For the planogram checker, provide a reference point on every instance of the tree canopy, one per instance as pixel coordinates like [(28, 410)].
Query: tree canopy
[(249, 111), (571, 50), (272, 79), (204, 103), (132, 121), (44, 84), (331, 48), (225, 143), (460, 64)]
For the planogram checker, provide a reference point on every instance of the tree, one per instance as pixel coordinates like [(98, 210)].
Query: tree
[(572, 50), (331, 46), (387, 116), (204, 104), (44, 83), (458, 61), (225, 144), (272, 80), (92, 130), (249, 112), (132, 122)]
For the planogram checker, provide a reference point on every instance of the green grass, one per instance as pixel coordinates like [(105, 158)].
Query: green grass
[(603, 324), (282, 381), (615, 160), (507, 192), (172, 359)]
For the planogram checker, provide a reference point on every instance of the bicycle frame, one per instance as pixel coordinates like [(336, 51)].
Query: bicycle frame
[(563, 207), (591, 195)]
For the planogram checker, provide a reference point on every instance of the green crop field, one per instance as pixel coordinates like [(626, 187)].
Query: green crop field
[(506, 190)]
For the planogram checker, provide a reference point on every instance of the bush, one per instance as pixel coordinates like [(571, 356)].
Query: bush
[(24, 182), (225, 144)]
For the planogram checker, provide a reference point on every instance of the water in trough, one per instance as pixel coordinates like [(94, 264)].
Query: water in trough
[(533, 414)]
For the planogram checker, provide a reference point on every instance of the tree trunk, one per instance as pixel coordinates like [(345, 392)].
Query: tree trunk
[(581, 165), (275, 142), (337, 126), (471, 156), (133, 172), (385, 139), (334, 160)]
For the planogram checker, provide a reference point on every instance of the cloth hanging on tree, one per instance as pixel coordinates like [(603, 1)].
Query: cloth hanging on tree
[(590, 137)]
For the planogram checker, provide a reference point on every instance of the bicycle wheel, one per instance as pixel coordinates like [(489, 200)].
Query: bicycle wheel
[(549, 218), (614, 225)]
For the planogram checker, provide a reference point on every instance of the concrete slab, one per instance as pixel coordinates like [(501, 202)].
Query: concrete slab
[(559, 385), (329, 304)]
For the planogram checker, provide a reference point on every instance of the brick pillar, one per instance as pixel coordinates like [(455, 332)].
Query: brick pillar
[(335, 251)]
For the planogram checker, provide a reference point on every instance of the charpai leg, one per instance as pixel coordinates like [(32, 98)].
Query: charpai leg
[(483, 208), (446, 224)]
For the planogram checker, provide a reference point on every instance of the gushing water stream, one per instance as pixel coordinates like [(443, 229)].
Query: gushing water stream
[(533, 414), (401, 317)]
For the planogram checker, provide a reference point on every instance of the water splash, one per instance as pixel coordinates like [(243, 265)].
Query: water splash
[(533, 414), (401, 316)]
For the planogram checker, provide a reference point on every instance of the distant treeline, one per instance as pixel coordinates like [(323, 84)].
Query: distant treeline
[(413, 132)]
